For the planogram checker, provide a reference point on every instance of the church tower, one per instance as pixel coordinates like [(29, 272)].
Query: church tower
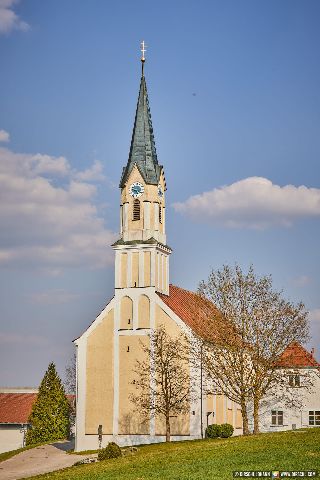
[(143, 301), (141, 253)]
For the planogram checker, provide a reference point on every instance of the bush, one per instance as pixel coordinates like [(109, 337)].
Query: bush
[(223, 431), (226, 430), (213, 431), (112, 450)]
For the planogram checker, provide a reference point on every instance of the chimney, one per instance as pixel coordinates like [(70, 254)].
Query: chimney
[(312, 352)]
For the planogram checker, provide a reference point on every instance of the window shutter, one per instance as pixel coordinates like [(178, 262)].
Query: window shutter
[(280, 419), (304, 381), (305, 417), (284, 418)]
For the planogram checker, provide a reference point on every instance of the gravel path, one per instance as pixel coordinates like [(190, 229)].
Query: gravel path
[(35, 461)]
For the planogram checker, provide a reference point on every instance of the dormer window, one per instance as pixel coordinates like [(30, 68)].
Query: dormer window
[(136, 210), (294, 380)]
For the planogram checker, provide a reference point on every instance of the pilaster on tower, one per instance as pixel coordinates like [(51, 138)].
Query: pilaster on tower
[(142, 256)]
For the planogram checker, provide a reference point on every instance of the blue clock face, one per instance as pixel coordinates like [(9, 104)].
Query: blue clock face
[(160, 191), (136, 189)]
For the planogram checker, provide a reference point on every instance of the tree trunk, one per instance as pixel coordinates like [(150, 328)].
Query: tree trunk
[(256, 402), (245, 423), (167, 428)]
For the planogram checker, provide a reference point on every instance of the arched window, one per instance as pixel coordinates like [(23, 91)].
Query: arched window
[(144, 312), (136, 209), (126, 313), (160, 214)]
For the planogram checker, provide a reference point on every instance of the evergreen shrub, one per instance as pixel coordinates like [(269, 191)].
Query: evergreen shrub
[(213, 431), (226, 430), (112, 450)]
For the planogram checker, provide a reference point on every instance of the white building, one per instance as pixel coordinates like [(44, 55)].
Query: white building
[(296, 402), (15, 408)]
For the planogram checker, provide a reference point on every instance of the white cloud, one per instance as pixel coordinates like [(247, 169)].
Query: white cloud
[(314, 315), (52, 297), (44, 164), (20, 339), (302, 280), (4, 136), (48, 218), (9, 20), (91, 174), (254, 202)]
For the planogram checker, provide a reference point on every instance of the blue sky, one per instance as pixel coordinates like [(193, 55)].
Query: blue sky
[(235, 103)]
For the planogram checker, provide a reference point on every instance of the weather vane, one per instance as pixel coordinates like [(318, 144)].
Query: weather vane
[(143, 51)]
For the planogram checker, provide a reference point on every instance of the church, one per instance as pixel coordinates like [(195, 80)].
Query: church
[(143, 300)]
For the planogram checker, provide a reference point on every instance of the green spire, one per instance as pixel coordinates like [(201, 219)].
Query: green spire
[(143, 149)]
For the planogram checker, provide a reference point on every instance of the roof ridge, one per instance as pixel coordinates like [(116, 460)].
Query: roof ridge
[(184, 289), (180, 301)]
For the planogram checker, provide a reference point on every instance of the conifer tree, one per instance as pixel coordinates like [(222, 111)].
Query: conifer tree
[(49, 417)]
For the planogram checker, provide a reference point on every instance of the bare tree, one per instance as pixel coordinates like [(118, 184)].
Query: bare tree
[(244, 363), (227, 370), (162, 381), (70, 376)]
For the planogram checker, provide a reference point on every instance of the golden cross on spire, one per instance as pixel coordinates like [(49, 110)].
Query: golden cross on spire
[(143, 51)]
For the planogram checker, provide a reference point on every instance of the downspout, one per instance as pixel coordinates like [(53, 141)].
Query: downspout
[(201, 390)]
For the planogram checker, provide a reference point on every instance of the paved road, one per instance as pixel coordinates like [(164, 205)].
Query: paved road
[(35, 461)]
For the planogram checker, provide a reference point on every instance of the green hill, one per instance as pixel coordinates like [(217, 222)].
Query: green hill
[(207, 459)]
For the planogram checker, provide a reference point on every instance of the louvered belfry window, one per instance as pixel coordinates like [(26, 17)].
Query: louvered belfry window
[(160, 214), (136, 210)]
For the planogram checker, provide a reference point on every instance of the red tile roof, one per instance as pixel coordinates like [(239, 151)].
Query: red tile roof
[(198, 313), (297, 357), (16, 407), (207, 322)]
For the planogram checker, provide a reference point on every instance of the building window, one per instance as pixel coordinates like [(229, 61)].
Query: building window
[(160, 214), (314, 417), (276, 417), (136, 210), (294, 380)]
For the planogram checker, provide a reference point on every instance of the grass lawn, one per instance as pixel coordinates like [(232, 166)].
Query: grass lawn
[(207, 459), (5, 455)]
